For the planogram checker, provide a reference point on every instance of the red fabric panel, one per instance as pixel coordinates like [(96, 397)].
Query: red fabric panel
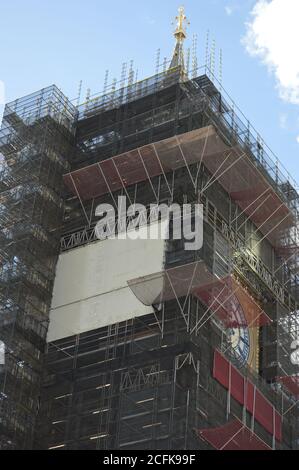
[(232, 436), (237, 385), (221, 369), (278, 426), (249, 396), (222, 373), (265, 415), (291, 383), (218, 437), (258, 406), (246, 440), (263, 412)]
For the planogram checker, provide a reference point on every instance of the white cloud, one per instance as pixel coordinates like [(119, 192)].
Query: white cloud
[(283, 121), (229, 10), (273, 36), (297, 138)]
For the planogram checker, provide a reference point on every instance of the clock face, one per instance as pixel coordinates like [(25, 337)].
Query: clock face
[(240, 342), (234, 319), (238, 334)]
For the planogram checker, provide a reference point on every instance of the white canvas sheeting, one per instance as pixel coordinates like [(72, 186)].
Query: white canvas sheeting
[(91, 290)]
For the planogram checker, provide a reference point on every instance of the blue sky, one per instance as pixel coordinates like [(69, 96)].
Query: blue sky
[(63, 42)]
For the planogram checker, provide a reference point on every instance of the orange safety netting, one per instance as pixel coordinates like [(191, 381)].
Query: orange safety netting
[(139, 164), (227, 299), (253, 193), (232, 436), (171, 283), (234, 170), (232, 303)]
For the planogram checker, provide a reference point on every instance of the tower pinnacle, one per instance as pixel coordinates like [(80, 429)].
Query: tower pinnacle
[(180, 35)]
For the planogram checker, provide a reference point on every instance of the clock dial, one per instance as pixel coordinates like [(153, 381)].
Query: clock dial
[(239, 335), (240, 342)]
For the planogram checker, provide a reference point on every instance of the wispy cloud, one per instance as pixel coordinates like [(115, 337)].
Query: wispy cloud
[(283, 121), (273, 36), (229, 10), (232, 7), (150, 21)]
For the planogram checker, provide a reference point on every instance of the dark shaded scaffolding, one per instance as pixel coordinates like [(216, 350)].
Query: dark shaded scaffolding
[(115, 98), (144, 383), (163, 147), (104, 389), (35, 141), (234, 158)]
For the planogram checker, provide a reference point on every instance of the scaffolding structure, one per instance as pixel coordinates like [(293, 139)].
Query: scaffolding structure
[(151, 382), (171, 379), (35, 141), (146, 383)]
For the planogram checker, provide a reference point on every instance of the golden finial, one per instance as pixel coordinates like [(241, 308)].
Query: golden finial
[(181, 30), (180, 35)]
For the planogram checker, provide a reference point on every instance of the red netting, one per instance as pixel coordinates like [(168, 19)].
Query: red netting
[(246, 185), (139, 164), (291, 383), (234, 171), (171, 283), (232, 436), (232, 304), (227, 299)]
